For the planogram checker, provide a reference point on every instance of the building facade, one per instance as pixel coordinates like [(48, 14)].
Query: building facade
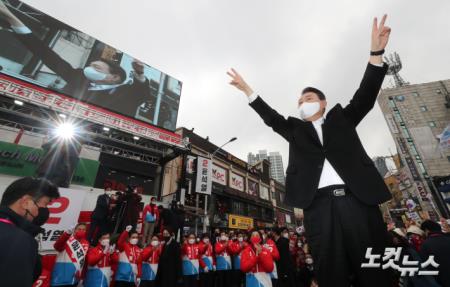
[(240, 197), (417, 116)]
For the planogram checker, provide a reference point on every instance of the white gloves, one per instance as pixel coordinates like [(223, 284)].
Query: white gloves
[(206, 269), (128, 228), (138, 281)]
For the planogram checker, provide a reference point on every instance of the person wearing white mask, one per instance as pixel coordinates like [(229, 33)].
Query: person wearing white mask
[(208, 262), (102, 81), (99, 263), (236, 248), (129, 270), (150, 259), (191, 257), (331, 177), (222, 248)]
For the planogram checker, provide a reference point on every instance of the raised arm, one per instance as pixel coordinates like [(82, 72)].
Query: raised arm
[(270, 117), (366, 95), (51, 59)]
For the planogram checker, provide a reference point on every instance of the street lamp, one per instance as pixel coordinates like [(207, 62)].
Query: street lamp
[(214, 153), (211, 156)]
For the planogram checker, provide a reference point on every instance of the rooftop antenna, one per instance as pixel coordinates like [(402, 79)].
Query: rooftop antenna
[(395, 65)]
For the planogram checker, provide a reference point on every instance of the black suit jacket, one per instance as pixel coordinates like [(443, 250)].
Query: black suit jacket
[(285, 266), (20, 263), (169, 267), (124, 99), (101, 210), (341, 146)]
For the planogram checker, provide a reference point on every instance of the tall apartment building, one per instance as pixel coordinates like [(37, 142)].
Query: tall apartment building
[(417, 116), (276, 163)]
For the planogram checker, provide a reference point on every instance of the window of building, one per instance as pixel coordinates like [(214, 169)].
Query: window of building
[(423, 108), (438, 91), (413, 149), (400, 98), (253, 211), (239, 208), (415, 94), (391, 103), (432, 124), (421, 167)]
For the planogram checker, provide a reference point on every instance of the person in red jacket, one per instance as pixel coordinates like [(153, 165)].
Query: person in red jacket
[(257, 263), (223, 260), (191, 257), (72, 248), (208, 262), (149, 261), (128, 271), (236, 248), (272, 247), (99, 263), (150, 218)]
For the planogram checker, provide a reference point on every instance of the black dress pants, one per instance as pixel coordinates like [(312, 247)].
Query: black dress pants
[(190, 280), (223, 278), (207, 279), (339, 228)]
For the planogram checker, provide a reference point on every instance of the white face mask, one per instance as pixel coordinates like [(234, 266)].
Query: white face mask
[(286, 235), (94, 75), (299, 244), (307, 110), (191, 241), (133, 241), (155, 243), (309, 261), (206, 240), (104, 242), (240, 239), (223, 238)]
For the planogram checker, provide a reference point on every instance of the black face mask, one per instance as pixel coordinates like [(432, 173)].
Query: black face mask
[(166, 238), (42, 217)]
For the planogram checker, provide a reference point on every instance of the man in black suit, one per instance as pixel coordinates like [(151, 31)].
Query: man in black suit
[(99, 217), (331, 176), (101, 82), (285, 266), (170, 266)]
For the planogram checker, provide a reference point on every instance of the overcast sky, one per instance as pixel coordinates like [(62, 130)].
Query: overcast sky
[(278, 46)]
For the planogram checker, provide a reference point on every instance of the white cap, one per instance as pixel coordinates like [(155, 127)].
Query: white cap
[(414, 229)]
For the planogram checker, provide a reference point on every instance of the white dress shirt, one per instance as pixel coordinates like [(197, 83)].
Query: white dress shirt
[(329, 176)]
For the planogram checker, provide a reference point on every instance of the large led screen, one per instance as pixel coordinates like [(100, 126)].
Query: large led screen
[(41, 50)]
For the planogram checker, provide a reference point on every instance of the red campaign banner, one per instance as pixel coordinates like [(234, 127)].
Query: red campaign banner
[(27, 92)]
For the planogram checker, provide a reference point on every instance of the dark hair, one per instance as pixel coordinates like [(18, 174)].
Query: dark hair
[(430, 226), (170, 230), (35, 187), (315, 91), (116, 69), (403, 242), (279, 230), (205, 235), (103, 233)]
